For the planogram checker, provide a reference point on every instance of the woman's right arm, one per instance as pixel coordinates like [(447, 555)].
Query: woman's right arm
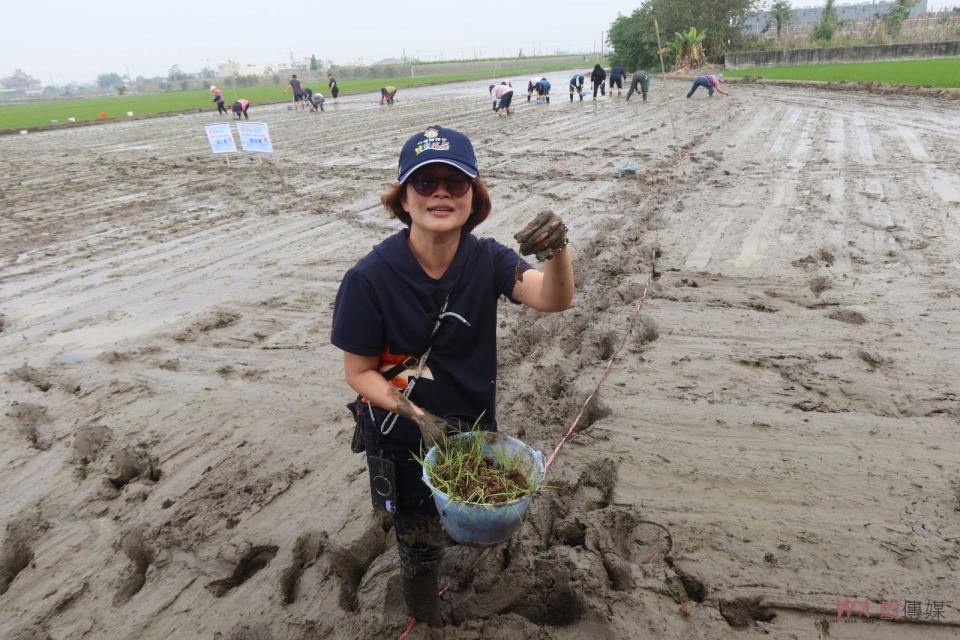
[(363, 375)]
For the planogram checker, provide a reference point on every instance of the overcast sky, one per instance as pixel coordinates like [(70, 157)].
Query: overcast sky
[(59, 41)]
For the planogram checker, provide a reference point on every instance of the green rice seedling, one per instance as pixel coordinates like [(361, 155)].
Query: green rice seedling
[(471, 470)]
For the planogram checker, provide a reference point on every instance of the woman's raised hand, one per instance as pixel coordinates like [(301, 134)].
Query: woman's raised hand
[(544, 236)]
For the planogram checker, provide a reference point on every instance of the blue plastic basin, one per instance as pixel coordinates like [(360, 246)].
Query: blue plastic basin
[(485, 525)]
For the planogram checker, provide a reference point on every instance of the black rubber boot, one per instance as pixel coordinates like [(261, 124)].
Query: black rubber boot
[(420, 593)]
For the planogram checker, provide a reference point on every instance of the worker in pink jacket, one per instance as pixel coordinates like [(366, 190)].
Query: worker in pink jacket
[(710, 82), (502, 95)]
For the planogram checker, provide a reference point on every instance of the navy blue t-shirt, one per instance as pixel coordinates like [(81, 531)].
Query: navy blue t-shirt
[(387, 306)]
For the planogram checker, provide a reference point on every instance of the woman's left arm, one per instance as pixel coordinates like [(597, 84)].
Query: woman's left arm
[(550, 289)]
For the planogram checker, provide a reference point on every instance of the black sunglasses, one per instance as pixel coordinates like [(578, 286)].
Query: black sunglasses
[(426, 184)]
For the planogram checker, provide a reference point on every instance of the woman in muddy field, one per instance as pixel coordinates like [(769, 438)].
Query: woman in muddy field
[(416, 319)]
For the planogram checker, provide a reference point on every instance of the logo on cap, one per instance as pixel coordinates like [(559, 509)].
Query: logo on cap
[(431, 142)]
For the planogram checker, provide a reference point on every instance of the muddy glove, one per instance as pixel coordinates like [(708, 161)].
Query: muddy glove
[(545, 236), (432, 428)]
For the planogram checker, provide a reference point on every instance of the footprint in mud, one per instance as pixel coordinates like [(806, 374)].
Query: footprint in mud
[(249, 563), (848, 315), (874, 360), (246, 632), (210, 322), (16, 554), (140, 555), (743, 612), (30, 420), (547, 596), (130, 464), (352, 561), (596, 485), (600, 347), (31, 376), (306, 549), (819, 284), (646, 331), (87, 444), (553, 404)]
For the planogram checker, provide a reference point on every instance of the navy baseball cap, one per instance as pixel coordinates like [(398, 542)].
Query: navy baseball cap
[(437, 144)]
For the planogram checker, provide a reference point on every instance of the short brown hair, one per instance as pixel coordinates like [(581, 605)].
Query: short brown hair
[(480, 206)]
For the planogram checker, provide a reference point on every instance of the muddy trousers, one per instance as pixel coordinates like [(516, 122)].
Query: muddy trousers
[(642, 85), (221, 108), (420, 536), (700, 82)]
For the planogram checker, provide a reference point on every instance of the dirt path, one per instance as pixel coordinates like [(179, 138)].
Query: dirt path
[(780, 435)]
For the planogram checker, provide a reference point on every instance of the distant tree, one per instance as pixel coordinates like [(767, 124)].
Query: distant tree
[(823, 32), (313, 63), (782, 14), (184, 84), (109, 80), (894, 19), (121, 90), (207, 74), (51, 91), (176, 74), (634, 40)]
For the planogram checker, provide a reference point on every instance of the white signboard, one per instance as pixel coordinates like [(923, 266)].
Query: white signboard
[(254, 136), (221, 138)]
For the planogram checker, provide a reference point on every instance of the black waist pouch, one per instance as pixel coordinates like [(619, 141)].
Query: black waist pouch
[(356, 440)]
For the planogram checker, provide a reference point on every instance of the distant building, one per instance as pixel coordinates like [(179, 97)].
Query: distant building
[(806, 16), (20, 84), (232, 68)]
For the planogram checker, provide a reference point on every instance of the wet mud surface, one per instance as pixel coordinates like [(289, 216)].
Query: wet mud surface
[(779, 433)]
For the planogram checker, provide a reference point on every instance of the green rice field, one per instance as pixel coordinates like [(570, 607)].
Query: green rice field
[(33, 114), (939, 72)]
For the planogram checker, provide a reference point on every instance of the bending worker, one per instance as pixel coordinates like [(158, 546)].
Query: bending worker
[(576, 86), (641, 80), (386, 94), (502, 95), (711, 82), (617, 76), (240, 108)]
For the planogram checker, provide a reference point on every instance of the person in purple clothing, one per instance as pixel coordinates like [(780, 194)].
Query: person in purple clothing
[(712, 83), (416, 319), (218, 98)]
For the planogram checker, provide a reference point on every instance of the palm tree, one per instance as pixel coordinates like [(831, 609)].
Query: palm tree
[(687, 49)]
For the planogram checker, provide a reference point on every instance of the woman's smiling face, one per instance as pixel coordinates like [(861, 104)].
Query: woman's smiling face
[(441, 211)]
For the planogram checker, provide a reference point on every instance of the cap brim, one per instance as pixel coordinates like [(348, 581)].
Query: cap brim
[(473, 173)]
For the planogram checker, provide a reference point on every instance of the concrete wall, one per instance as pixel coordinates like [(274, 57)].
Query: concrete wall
[(868, 53)]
